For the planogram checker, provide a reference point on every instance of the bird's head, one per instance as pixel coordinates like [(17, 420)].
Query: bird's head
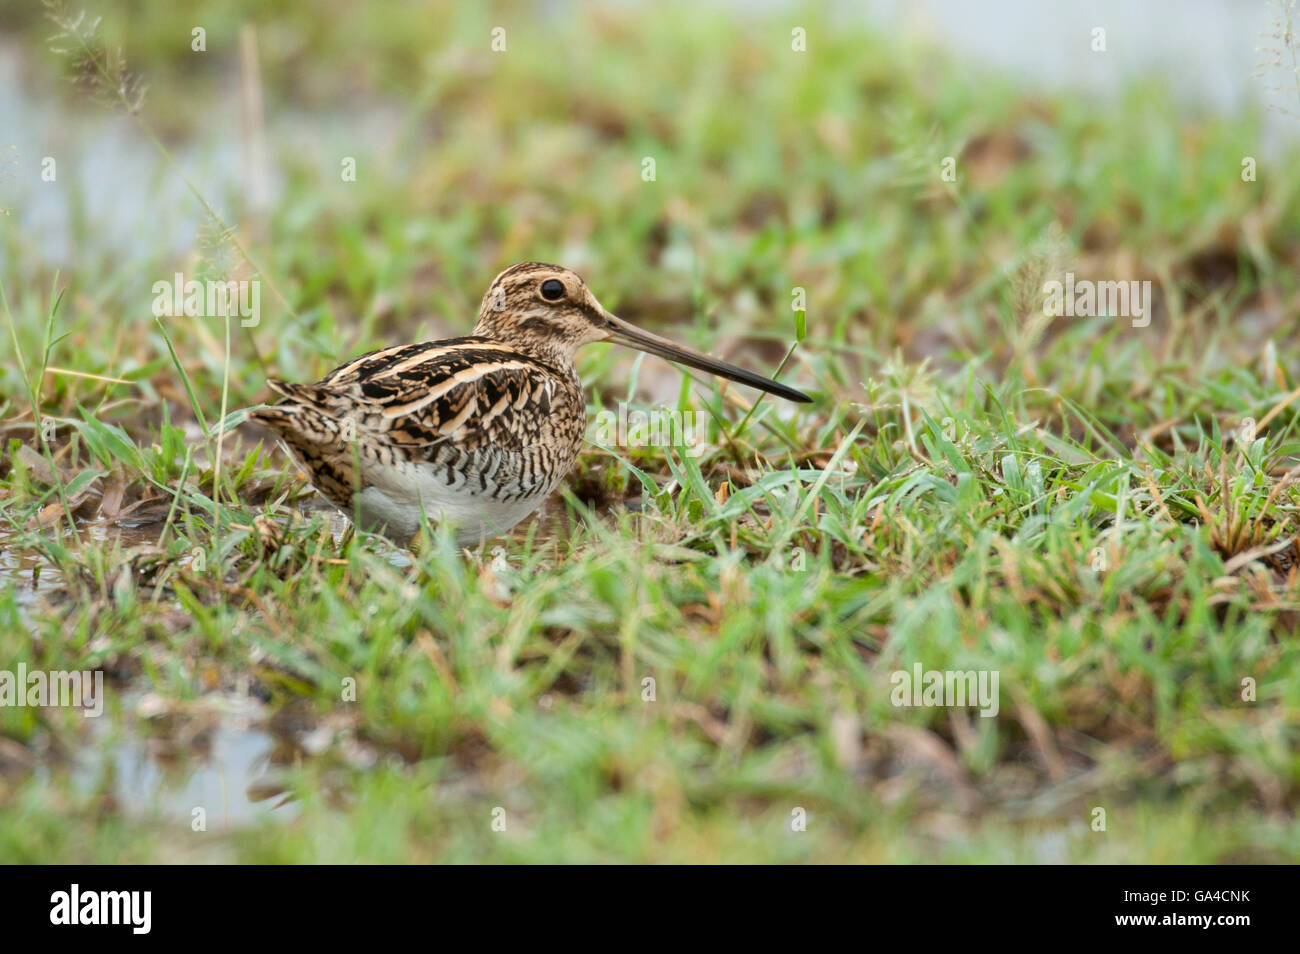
[(548, 310)]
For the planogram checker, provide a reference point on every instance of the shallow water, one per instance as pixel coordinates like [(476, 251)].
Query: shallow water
[(27, 572), (1205, 50), (229, 782)]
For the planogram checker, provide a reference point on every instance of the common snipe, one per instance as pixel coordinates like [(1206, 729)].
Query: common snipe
[(475, 431)]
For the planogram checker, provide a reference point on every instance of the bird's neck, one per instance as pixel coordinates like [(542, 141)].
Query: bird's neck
[(555, 353)]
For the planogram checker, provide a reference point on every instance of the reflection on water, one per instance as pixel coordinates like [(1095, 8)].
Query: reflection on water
[(226, 784), (26, 571), (210, 771)]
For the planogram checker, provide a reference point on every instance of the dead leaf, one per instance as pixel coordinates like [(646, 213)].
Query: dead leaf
[(36, 464)]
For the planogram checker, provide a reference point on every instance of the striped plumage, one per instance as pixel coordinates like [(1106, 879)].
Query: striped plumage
[(474, 431)]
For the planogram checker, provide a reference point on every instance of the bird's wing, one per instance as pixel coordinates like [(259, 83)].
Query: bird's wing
[(468, 392)]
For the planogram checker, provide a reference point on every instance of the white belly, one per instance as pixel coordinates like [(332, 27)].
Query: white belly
[(396, 497)]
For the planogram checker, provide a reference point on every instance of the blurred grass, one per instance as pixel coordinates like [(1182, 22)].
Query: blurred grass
[(1063, 503)]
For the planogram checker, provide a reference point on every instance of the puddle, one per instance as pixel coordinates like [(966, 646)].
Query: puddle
[(217, 762), (214, 764), (112, 180), (1054, 44), (227, 783), (25, 571)]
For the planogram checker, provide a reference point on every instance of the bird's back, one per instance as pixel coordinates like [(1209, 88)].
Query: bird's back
[(469, 430)]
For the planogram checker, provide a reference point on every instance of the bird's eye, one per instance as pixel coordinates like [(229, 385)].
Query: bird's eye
[(552, 289)]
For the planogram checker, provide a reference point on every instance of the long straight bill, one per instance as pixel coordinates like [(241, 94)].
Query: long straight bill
[(634, 337)]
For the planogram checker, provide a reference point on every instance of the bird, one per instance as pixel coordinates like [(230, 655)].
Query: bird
[(473, 432)]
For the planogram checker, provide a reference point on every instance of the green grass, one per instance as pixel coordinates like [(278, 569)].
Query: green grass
[(1066, 503)]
